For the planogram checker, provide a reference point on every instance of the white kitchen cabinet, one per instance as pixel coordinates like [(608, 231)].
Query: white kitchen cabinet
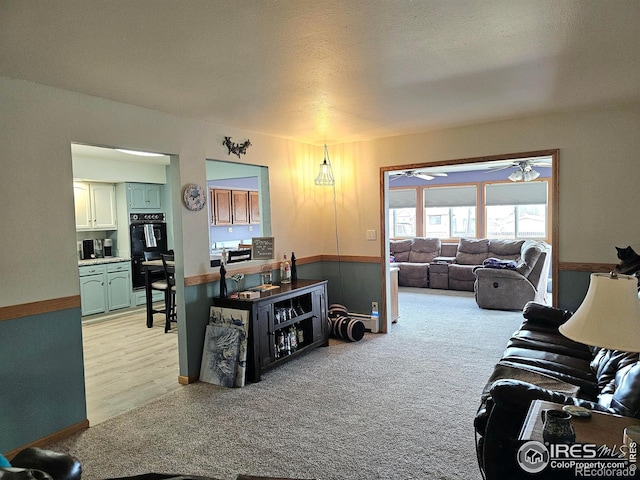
[(144, 196), (95, 206)]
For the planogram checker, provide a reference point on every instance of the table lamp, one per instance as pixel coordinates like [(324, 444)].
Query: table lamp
[(609, 316)]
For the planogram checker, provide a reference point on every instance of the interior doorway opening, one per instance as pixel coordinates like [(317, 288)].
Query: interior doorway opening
[(513, 168), (126, 364)]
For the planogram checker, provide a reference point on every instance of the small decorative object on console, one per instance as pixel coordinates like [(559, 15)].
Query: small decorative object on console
[(223, 281), (285, 270), (294, 268)]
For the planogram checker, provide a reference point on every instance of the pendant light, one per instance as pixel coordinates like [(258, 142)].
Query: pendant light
[(325, 177)]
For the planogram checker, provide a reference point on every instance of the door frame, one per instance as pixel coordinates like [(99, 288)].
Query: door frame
[(554, 210)]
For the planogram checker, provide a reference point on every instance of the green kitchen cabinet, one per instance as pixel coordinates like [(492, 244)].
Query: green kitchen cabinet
[(144, 196), (118, 285), (92, 290), (105, 287)]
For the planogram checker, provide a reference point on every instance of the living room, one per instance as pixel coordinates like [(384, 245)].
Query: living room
[(41, 354)]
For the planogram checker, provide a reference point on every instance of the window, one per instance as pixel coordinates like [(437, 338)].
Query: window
[(450, 212), (516, 210), (402, 213)]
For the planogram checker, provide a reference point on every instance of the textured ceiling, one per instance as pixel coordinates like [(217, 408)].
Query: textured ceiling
[(331, 71)]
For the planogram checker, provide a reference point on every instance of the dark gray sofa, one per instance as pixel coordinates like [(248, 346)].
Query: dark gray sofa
[(429, 263)]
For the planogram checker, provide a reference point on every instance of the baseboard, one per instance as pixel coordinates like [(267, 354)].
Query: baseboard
[(49, 439), (186, 380)]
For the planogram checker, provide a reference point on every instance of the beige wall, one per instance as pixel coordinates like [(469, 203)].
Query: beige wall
[(599, 175), (37, 238)]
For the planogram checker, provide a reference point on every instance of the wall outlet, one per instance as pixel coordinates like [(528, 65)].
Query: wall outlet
[(374, 306), (230, 229), (372, 235)]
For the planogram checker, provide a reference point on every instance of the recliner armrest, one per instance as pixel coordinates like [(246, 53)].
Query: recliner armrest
[(516, 396), (543, 315)]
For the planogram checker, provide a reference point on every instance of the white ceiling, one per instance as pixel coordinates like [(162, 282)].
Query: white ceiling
[(334, 70)]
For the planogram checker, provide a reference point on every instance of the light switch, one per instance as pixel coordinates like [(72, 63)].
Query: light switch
[(371, 235)]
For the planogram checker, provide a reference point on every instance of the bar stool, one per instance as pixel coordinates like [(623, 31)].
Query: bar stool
[(170, 292), (158, 281)]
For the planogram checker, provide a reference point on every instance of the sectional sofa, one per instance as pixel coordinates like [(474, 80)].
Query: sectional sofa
[(504, 274)]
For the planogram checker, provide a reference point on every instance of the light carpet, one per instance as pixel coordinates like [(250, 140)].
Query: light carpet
[(396, 406)]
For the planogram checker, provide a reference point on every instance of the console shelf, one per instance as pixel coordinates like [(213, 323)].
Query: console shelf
[(298, 309)]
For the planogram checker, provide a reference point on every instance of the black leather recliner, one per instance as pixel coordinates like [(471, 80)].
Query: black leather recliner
[(40, 464), (539, 363)]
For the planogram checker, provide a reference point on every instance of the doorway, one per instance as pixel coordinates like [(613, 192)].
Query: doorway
[(126, 363), (512, 168)]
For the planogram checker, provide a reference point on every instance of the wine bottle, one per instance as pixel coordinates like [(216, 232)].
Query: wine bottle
[(293, 339), (285, 270), (299, 334)]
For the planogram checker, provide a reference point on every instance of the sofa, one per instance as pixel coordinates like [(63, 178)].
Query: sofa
[(504, 274), (539, 363)]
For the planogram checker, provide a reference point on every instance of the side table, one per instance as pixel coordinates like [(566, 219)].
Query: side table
[(598, 451), (600, 429)]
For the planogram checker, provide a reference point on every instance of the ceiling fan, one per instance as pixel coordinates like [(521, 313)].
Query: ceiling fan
[(524, 169), (417, 174)]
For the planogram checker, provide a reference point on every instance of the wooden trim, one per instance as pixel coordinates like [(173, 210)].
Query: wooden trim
[(555, 222), (49, 439), (586, 267), (39, 307), (460, 161), (555, 199), (275, 264), (350, 258), (186, 380)]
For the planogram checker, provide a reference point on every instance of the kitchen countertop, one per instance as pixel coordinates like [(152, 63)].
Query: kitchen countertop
[(100, 261)]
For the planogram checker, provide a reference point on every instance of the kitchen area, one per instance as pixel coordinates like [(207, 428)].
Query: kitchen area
[(122, 212)]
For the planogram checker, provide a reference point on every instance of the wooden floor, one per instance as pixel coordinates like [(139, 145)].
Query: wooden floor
[(127, 364)]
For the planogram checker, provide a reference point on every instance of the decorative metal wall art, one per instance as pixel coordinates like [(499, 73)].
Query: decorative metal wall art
[(236, 148)]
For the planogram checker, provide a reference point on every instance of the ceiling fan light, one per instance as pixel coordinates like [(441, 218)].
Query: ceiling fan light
[(531, 175), (516, 176)]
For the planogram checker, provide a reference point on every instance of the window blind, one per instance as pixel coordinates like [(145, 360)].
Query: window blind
[(526, 193), (402, 198), (462, 196)]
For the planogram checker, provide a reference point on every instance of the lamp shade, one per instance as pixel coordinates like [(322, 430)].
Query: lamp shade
[(609, 315), (325, 177)]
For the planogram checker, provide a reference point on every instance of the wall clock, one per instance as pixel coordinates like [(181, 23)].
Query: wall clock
[(194, 197)]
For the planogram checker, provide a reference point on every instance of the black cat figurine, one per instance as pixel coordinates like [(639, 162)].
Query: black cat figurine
[(630, 261)]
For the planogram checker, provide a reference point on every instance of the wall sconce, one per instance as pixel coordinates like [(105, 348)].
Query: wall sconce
[(325, 177), (236, 148)]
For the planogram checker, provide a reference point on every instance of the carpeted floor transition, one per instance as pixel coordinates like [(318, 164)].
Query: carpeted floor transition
[(396, 406)]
